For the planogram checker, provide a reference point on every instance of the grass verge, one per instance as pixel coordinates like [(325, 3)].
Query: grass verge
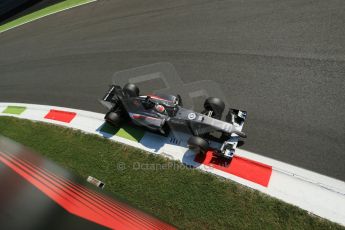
[(43, 12), (188, 198)]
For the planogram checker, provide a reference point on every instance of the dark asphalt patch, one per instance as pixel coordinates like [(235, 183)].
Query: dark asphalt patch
[(282, 61)]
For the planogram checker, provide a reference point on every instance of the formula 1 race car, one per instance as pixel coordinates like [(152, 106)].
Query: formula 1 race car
[(164, 113)]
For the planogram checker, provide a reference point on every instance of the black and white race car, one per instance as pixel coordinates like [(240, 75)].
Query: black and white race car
[(164, 113)]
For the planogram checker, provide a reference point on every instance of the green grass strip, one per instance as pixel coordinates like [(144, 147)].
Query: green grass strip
[(17, 110), (41, 13), (187, 198)]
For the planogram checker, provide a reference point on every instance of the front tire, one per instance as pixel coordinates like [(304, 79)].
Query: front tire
[(215, 105), (198, 144)]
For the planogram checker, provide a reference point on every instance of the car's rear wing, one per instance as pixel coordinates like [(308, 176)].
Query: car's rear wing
[(111, 96)]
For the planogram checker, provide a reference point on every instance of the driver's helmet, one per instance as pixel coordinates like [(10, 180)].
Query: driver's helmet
[(160, 108)]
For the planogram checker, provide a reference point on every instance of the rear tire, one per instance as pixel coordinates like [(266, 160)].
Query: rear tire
[(113, 118), (131, 90), (198, 144), (216, 105)]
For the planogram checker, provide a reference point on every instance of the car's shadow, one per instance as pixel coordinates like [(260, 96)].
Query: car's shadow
[(127, 131), (156, 142)]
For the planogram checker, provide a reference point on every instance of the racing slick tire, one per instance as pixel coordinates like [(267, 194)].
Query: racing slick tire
[(113, 118), (198, 144), (131, 90), (216, 105)]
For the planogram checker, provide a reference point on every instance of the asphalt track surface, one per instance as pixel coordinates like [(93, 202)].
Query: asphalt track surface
[(282, 61)]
